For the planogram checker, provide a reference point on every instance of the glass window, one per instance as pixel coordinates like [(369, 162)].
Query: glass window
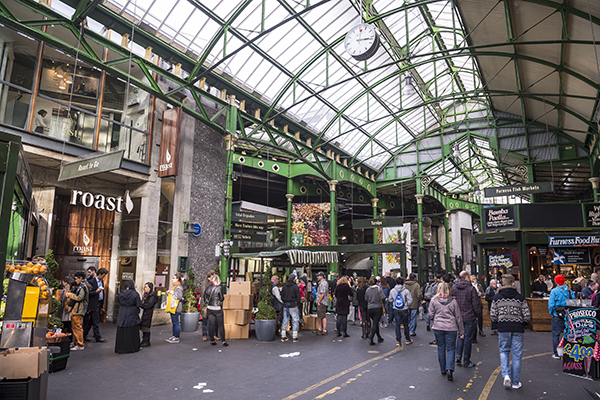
[(165, 213), (130, 227), (17, 68)]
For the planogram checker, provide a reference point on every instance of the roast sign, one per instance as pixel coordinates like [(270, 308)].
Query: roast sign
[(101, 202)]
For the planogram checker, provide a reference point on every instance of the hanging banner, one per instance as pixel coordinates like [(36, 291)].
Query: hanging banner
[(311, 224), (168, 158), (499, 218), (580, 352), (398, 234)]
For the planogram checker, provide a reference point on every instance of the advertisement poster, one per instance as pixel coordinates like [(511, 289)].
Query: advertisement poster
[(500, 260), (499, 218), (310, 224), (581, 352), (398, 234), (570, 255)]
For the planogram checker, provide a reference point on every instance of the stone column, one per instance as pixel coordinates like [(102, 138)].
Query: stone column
[(595, 181)]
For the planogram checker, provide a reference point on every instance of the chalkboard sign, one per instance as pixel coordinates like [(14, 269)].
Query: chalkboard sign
[(592, 214), (498, 218), (550, 215)]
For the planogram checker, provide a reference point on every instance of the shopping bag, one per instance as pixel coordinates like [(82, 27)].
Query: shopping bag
[(171, 304)]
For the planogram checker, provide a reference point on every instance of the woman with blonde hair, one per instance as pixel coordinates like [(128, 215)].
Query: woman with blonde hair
[(446, 324), (343, 293), (214, 305), (176, 295)]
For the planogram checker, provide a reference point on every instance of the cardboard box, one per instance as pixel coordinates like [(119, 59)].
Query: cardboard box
[(234, 331), (240, 288), (237, 317), (310, 322), (237, 302), (23, 363), (255, 287)]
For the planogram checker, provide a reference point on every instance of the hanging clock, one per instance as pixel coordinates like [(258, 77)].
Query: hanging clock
[(362, 42)]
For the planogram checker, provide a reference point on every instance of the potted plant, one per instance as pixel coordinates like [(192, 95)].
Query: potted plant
[(189, 310), (266, 317)]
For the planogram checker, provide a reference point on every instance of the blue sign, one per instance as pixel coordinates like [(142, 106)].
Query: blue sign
[(197, 229)]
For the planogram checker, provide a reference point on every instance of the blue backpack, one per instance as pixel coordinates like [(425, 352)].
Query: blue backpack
[(399, 301)]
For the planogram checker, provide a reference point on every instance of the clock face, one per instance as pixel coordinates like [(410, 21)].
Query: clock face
[(362, 41)]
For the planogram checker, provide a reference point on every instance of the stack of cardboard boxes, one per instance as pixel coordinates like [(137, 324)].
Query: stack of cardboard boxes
[(237, 310)]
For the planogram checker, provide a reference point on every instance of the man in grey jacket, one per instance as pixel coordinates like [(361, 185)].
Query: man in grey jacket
[(401, 299)]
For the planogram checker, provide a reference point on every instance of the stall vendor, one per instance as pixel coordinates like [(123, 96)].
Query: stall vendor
[(539, 287)]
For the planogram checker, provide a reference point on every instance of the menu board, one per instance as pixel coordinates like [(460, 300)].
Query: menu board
[(581, 353), (499, 218)]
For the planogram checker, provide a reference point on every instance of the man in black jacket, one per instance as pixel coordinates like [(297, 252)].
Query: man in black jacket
[(290, 296), (92, 317)]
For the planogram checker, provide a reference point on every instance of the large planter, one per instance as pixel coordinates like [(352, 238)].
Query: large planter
[(189, 321), (265, 329)]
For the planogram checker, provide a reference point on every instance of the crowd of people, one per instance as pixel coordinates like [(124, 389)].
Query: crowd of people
[(451, 308)]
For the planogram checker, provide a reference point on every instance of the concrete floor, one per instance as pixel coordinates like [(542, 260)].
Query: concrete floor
[(325, 369)]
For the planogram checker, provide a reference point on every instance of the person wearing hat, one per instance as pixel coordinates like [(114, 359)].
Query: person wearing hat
[(558, 298), (322, 303), (290, 296)]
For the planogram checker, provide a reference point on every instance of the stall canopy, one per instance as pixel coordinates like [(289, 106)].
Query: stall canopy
[(296, 256)]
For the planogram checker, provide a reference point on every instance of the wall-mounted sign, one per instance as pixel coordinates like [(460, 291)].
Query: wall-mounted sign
[(377, 223), (571, 256), (90, 166), (248, 216), (499, 218), (500, 260), (573, 241), (249, 237), (101, 202), (592, 214), (527, 188), (248, 226), (168, 159)]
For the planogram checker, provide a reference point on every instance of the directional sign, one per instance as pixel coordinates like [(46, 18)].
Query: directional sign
[(527, 188), (377, 223), (248, 226), (249, 237), (248, 216), (90, 166)]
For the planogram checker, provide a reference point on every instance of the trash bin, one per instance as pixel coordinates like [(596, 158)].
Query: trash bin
[(59, 356)]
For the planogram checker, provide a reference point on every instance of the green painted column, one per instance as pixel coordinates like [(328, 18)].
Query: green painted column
[(333, 240), (231, 123), (524, 268), (531, 179), (288, 226), (481, 267), (374, 202), (595, 181), (419, 197), (448, 263)]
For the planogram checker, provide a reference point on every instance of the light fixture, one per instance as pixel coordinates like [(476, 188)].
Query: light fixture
[(59, 72), (192, 227), (68, 79), (437, 105), (62, 85), (456, 151), (477, 190)]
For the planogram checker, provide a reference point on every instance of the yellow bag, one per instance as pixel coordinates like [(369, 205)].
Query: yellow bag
[(171, 304)]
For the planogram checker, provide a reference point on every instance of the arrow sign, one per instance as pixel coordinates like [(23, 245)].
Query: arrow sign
[(248, 226), (249, 237), (248, 216), (376, 223)]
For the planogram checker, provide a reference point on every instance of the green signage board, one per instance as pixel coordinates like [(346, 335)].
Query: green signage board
[(249, 237), (377, 223), (90, 166), (252, 226), (248, 216), (527, 188)]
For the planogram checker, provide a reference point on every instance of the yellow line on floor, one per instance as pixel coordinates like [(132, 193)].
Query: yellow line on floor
[(340, 374), (488, 386)]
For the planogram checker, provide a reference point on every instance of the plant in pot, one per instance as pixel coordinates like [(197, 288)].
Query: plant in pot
[(189, 309), (266, 317)]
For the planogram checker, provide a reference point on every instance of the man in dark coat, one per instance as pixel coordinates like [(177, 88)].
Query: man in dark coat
[(290, 296), (92, 317), (469, 304)]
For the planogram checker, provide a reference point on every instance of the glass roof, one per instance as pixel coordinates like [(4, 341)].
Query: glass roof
[(369, 109)]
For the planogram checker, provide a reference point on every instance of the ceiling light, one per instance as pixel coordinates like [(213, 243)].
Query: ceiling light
[(59, 72), (456, 151), (68, 79), (62, 85)]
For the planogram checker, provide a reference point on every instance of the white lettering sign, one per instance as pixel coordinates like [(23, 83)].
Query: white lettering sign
[(98, 201)]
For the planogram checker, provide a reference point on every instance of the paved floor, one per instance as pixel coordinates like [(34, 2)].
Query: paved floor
[(325, 369)]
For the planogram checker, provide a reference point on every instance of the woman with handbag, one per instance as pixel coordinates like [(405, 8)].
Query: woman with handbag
[(174, 306), (365, 322), (375, 307), (149, 299), (128, 321), (343, 294), (214, 305)]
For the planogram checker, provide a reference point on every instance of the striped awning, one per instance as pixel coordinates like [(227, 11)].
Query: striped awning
[(297, 256)]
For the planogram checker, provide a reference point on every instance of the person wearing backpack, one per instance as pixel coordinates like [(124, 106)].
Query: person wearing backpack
[(428, 293), (400, 300)]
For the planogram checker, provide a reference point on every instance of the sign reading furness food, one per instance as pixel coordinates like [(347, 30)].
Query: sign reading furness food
[(500, 218)]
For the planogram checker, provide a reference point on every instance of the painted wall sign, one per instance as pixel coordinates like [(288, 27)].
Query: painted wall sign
[(500, 260), (580, 334), (573, 241), (499, 218), (377, 223), (248, 216), (101, 202), (90, 166), (527, 188), (592, 214), (168, 158)]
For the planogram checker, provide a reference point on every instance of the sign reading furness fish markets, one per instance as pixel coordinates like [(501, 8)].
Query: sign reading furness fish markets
[(102, 202)]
